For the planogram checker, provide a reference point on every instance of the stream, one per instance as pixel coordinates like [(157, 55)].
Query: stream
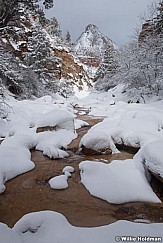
[(31, 192)]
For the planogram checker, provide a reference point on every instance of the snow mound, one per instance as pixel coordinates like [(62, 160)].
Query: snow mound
[(59, 182), (134, 125), (79, 123), (28, 141), (152, 155), (98, 140), (69, 169), (13, 161), (53, 227), (52, 143), (117, 182), (7, 235), (61, 119)]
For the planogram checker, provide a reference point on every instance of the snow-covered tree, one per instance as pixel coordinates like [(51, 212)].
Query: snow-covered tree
[(159, 18), (9, 9), (68, 37), (64, 88), (106, 70), (140, 64), (53, 28), (40, 59)]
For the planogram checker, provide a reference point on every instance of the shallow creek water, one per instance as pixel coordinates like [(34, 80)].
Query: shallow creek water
[(30, 192)]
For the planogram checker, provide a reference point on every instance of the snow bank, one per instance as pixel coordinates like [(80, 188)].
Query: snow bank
[(15, 157), (79, 123), (57, 118), (51, 143), (53, 227), (134, 125), (117, 182), (152, 156), (98, 138)]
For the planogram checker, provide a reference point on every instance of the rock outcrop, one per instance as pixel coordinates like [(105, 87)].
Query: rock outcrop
[(90, 46), (37, 46)]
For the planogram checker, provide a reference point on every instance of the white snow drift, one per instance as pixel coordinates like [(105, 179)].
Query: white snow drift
[(52, 227), (117, 182)]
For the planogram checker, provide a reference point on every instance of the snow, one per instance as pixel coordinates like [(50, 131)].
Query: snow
[(69, 169), (48, 226), (117, 182), (61, 119), (152, 156), (15, 157), (81, 93), (20, 134), (13, 161), (52, 142), (91, 43), (7, 235), (134, 125), (59, 182), (79, 123), (68, 174)]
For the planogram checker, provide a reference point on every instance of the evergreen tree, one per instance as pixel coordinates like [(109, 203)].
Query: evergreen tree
[(107, 69), (9, 9), (68, 37), (159, 19), (40, 58), (109, 64)]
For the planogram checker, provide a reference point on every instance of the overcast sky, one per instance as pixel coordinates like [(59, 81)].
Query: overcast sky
[(115, 18)]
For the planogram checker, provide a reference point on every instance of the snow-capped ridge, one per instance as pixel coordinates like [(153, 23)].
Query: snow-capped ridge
[(91, 45)]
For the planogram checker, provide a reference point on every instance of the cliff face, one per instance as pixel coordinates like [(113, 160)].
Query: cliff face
[(71, 69), (39, 48), (90, 46), (147, 29)]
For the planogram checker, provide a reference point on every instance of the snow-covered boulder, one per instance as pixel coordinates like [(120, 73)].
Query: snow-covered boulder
[(152, 156), (48, 227), (7, 235), (69, 169), (79, 123), (55, 120), (59, 182), (132, 125), (97, 141), (53, 143), (13, 161), (117, 182)]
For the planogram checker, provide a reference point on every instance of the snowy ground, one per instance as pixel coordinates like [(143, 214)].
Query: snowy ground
[(136, 125)]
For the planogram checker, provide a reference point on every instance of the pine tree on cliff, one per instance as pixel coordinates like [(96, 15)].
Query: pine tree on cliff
[(53, 28), (40, 59), (68, 37), (109, 65)]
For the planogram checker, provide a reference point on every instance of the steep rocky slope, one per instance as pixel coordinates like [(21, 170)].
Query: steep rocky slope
[(34, 46), (90, 46)]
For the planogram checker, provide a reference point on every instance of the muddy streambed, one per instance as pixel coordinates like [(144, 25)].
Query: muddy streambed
[(30, 192)]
